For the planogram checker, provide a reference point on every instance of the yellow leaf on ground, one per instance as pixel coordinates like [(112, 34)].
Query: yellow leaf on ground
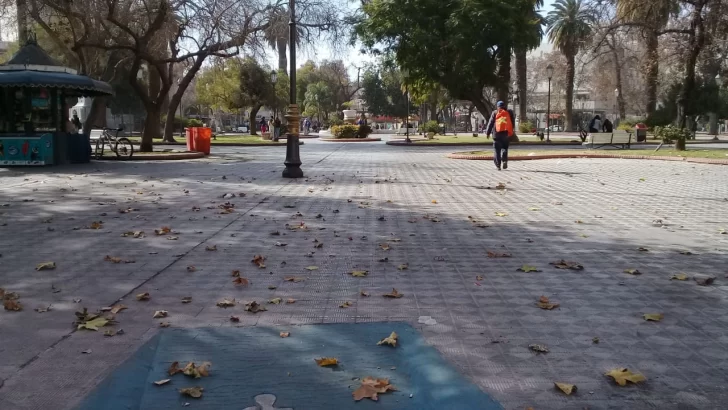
[(655, 317), (93, 324), (434, 201), (346, 304), (528, 268), (359, 273), (632, 271), (112, 259), (45, 266), (566, 388), (403, 266), (194, 392), (285, 334), (96, 225), (501, 214), (162, 382), (564, 264), (160, 314), (327, 361), (622, 376), (370, 387), (254, 307), (389, 340), (275, 301), (533, 208), (679, 276), (312, 267), (143, 296), (393, 294), (226, 303)]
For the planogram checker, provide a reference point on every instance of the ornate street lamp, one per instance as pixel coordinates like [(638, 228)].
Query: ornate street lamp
[(274, 80), (293, 158), (549, 74)]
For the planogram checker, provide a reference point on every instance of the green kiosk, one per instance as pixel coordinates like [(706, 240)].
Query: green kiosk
[(34, 123)]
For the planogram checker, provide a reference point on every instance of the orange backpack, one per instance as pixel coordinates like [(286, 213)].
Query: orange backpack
[(503, 122)]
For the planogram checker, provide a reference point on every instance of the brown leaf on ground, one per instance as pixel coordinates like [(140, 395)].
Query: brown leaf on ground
[(544, 303), (194, 392), (285, 334), (704, 280), (478, 277), (187, 299), (371, 387), (364, 293), (293, 279), (254, 307), (393, 294), (226, 303), (191, 268), (492, 254), (654, 317), (318, 245), (327, 361), (259, 260), (212, 248), (174, 369), (235, 274), (96, 225), (538, 348), (116, 259), (160, 314), (566, 388), (143, 296), (241, 281), (163, 231), (384, 247), (359, 273), (622, 376), (390, 340), (45, 266), (346, 304), (234, 319), (564, 264), (633, 271), (197, 372), (117, 308), (12, 305), (643, 249)]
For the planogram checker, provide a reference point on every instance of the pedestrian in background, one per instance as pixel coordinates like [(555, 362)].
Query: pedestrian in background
[(501, 121)]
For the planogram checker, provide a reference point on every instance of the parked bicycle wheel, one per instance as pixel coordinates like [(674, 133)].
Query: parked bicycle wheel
[(100, 142), (123, 148)]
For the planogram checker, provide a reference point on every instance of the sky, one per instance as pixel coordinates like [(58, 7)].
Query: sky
[(353, 57)]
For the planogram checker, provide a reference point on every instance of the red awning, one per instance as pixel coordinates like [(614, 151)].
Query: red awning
[(554, 116)]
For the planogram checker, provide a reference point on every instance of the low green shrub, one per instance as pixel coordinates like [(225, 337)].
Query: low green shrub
[(364, 131), (625, 127), (670, 134), (194, 122), (345, 131), (432, 126), (525, 127)]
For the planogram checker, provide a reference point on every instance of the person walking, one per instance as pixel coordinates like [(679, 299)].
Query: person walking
[(262, 125), (501, 122), (276, 129), (596, 124)]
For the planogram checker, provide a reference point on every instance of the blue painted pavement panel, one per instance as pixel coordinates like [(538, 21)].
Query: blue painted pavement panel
[(249, 362)]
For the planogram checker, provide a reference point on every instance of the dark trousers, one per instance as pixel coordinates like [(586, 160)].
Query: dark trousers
[(500, 146)]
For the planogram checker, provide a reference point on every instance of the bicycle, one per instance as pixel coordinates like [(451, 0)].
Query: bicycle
[(122, 147)]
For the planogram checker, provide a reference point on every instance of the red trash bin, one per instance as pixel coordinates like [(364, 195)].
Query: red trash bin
[(202, 140), (190, 139)]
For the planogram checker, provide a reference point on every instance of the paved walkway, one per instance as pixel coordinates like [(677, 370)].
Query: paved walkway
[(432, 212)]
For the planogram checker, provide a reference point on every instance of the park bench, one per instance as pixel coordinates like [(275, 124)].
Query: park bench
[(95, 134), (617, 139)]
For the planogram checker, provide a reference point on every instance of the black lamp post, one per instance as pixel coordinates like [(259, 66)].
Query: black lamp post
[(274, 80), (549, 73), (405, 76), (293, 158)]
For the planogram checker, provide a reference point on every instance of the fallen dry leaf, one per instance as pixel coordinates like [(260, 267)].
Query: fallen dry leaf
[(544, 303), (194, 392), (275, 301), (164, 324), (686, 253), (327, 361), (633, 271), (501, 214), (254, 307), (197, 372), (143, 296), (160, 314), (117, 308), (363, 293), (12, 305), (172, 238), (93, 324), (259, 260), (115, 259), (226, 303), (390, 340), (45, 266), (235, 274), (293, 279), (371, 387), (528, 268), (44, 309), (492, 254), (96, 225), (241, 281), (290, 301), (704, 280), (133, 234), (346, 304), (212, 248), (312, 267), (622, 376), (566, 388), (393, 294), (174, 369), (643, 249), (285, 334), (403, 266), (234, 319), (162, 382), (191, 268), (655, 317), (679, 276), (533, 208), (359, 273), (564, 264), (478, 277), (384, 247), (538, 348), (163, 230)]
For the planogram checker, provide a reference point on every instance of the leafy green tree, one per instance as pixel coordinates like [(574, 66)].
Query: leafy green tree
[(218, 86), (374, 93), (569, 27), (256, 88), (318, 100), (455, 44)]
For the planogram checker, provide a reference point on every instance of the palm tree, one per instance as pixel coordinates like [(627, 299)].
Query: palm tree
[(569, 25), (653, 16), (277, 37), (522, 65)]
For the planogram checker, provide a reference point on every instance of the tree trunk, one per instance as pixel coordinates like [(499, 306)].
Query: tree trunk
[(433, 111), (652, 68), (281, 45), (177, 97), (618, 76), (98, 105), (522, 74), (504, 73), (697, 41), (151, 127), (253, 112), (570, 71)]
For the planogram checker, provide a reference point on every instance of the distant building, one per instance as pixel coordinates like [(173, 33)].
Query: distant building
[(586, 105)]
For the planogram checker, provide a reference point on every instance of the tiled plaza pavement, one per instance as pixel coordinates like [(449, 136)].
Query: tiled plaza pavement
[(368, 195)]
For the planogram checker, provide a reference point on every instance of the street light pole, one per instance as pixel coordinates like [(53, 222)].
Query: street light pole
[(293, 158), (549, 73)]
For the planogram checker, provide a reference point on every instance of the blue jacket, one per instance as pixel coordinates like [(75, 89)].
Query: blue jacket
[(491, 123)]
